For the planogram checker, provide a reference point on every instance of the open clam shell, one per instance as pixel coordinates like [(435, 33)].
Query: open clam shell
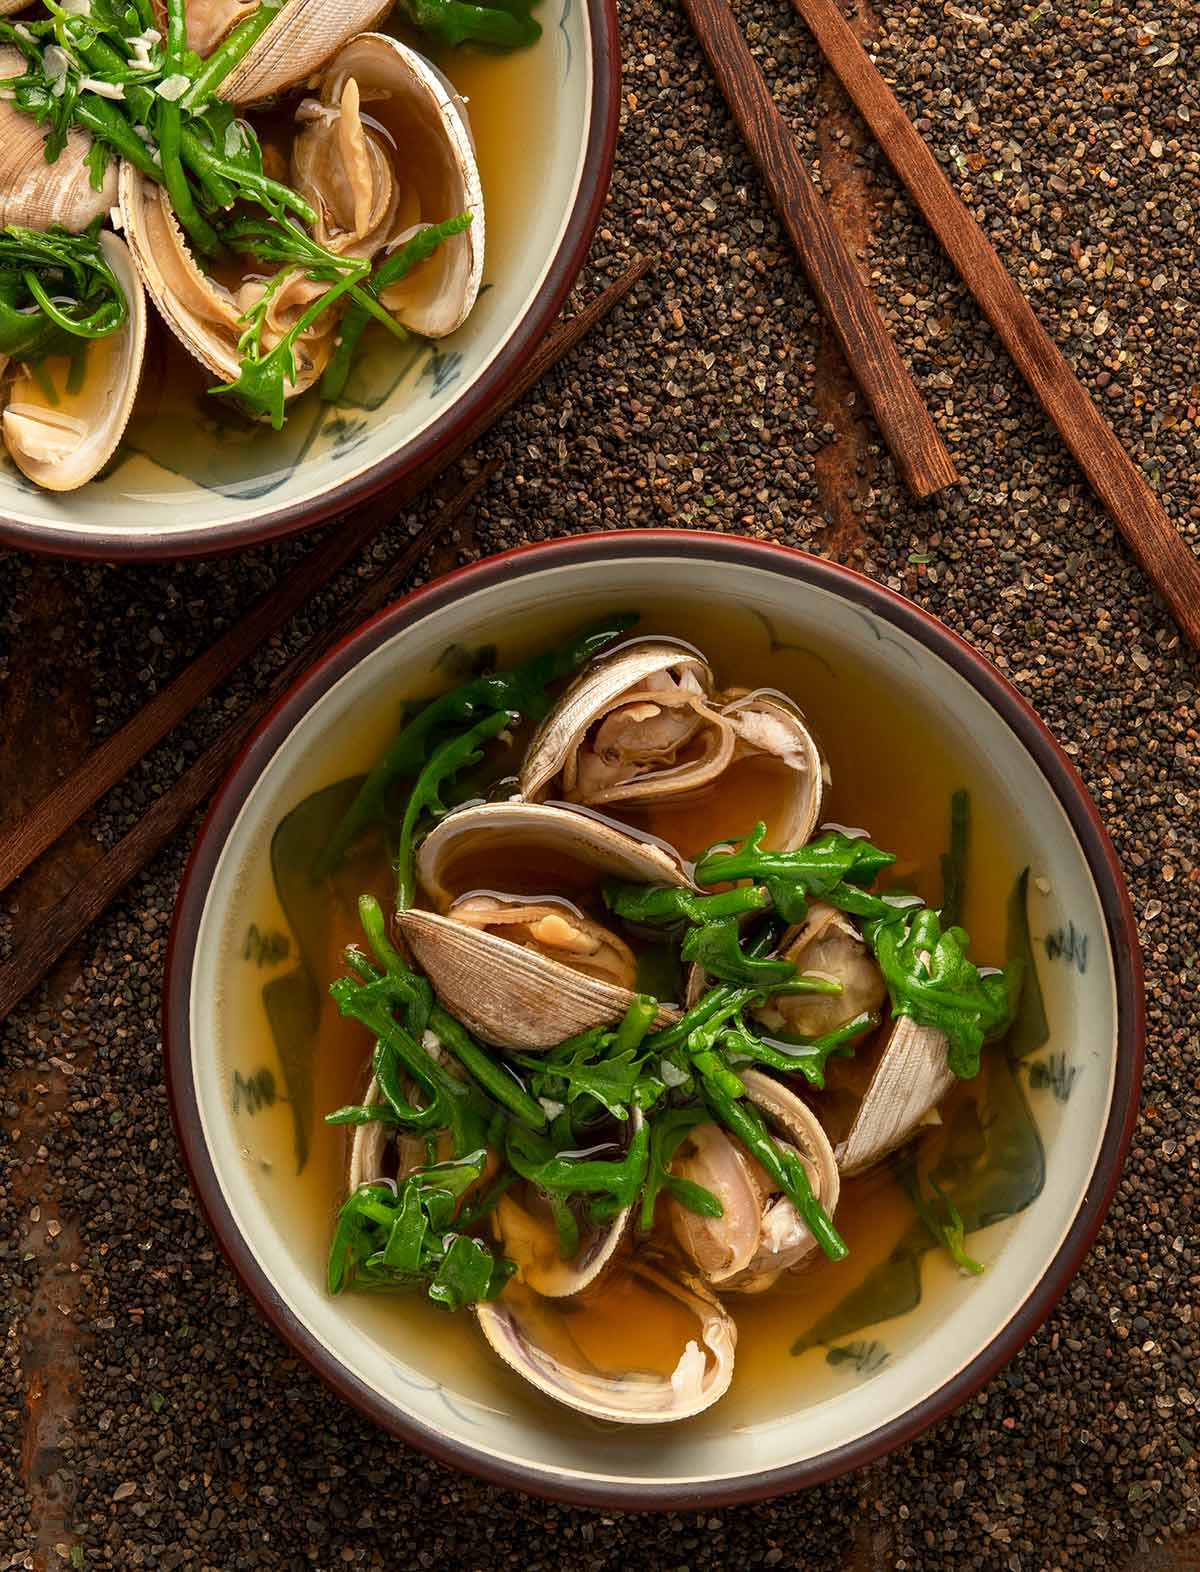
[(513, 994), (532, 1242), (386, 150), (645, 725), (632, 1384), (204, 315), (909, 1081), (34, 193), (539, 829), (300, 40), (682, 685), (507, 994), (62, 443), (759, 1233), (826, 944)]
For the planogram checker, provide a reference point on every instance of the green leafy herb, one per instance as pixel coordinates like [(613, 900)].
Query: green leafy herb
[(57, 291), (658, 905), (399, 1239), (419, 248), (453, 22), (931, 980), (833, 867), (522, 691), (598, 1069), (667, 1133), (447, 760), (537, 1159), (947, 1226), (806, 1056), (716, 948)]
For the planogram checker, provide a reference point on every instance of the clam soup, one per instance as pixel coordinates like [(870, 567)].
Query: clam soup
[(646, 1209)]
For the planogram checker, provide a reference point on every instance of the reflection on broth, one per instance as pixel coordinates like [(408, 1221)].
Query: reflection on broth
[(607, 1156)]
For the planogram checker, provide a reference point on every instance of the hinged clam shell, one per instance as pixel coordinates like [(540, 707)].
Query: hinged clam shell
[(62, 444), (909, 1081), (506, 994), (535, 1339), (758, 1234)]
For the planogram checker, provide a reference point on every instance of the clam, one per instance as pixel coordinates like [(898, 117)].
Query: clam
[(385, 150), (295, 46), (528, 973), (204, 315), (510, 994), (62, 443), (582, 848), (827, 944), (555, 928), (34, 193), (908, 1083), (646, 724), (759, 1233), (673, 1360), (528, 1237)]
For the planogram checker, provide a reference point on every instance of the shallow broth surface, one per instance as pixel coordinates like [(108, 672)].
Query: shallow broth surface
[(893, 774)]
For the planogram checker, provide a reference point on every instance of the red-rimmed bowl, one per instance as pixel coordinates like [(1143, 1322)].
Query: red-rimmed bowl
[(192, 478), (1075, 1092)]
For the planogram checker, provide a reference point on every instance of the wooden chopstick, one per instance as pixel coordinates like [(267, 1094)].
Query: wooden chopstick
[(116, 755), (848, 304), (61, 925), (1116, 480)]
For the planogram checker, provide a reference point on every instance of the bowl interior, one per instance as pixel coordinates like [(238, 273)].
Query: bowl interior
[(438, 1382), (189, 462)]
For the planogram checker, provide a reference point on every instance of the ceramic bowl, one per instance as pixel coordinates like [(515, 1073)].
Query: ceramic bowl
[(866, 1387), (192, 477)]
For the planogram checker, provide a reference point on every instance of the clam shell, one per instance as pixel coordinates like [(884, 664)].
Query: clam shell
[(578, 836), (44, 440), (547, 1273), (34, 193), (632, 1397), (730, 727), (910, 1080), (202, 314), (506, 994), (304, 35), (595, 691), (427, 141), (753, 1262), (768, 723)]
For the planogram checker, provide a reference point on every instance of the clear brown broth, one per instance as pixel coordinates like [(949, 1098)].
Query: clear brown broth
[(893, 774)]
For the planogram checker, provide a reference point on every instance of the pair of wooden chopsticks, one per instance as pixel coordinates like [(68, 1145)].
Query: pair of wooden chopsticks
[(60, 926), (860, 330)]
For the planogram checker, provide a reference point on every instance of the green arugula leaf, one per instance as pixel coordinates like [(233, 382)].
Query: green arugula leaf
[(716, 948), (931, 979), (392, 1239), (522, 690), (447, 760)]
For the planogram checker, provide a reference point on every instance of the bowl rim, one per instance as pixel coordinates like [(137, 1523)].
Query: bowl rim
[(515, 350), (871, 597)]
